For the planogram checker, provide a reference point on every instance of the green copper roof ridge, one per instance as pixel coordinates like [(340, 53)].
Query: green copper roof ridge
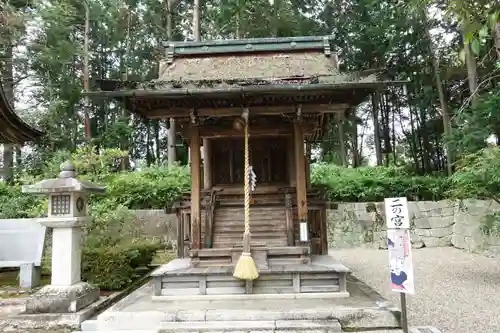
[(243, 41), (277, 44)]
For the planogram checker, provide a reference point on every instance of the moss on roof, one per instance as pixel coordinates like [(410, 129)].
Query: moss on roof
[(253, 66)]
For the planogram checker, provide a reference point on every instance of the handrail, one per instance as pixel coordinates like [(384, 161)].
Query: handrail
[(210, 217)]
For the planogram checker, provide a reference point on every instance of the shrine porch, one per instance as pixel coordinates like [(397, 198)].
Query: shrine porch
[(318, 274)]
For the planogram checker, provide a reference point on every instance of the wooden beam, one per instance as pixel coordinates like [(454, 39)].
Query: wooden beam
[(236, 111), (194, 144), (283, 129), (300, 174)]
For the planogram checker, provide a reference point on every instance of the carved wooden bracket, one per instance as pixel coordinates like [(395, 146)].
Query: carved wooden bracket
[(298, 112), (193, 118)]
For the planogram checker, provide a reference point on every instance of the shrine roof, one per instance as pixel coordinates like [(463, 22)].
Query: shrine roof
[(252, 72), (12, 128)]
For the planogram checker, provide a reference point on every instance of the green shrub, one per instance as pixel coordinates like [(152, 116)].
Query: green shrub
[(477, 176), (151, 188), (113, 248), (141, 254), (112, 267), (107, 267), (375, 183), (15, 204)]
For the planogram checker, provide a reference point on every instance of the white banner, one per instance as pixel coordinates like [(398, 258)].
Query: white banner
[(400, 259), (396, 213)]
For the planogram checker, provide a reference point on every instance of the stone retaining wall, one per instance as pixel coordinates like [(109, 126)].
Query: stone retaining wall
[(434, 224)]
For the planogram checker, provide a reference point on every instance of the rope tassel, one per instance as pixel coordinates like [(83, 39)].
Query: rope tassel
[(245, 268)]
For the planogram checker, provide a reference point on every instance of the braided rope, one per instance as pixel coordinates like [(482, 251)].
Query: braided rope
[(247, 182)]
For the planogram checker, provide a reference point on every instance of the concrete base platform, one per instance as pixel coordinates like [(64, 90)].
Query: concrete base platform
[(13, 316), (363, 310)]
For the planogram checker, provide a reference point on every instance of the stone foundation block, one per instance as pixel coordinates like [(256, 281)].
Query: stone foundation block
[(62, 299), (29, 276)]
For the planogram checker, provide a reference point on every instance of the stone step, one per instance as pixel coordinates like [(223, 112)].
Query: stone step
[(271, 326), (120, 331), (147, 319), (255, 325)]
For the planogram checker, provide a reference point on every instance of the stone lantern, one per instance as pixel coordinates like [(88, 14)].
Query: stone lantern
[(67, 214)]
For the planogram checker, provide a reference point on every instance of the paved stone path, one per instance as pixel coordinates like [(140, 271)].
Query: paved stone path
[(456, 291)]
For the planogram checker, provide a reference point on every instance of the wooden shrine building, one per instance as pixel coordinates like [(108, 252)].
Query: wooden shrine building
[(290, 88), (12, 128)]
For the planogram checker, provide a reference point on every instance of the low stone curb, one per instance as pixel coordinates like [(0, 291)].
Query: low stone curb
[(63, 320)]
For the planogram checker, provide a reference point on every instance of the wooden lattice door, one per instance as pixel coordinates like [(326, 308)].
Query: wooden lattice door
[(268, 159)]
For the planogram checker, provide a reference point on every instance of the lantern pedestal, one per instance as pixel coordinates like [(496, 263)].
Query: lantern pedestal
[(62, 299)]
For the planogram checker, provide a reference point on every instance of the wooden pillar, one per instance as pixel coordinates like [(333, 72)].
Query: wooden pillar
[(300, 176), (207, 163), (194, 144), (308, 166), (291, 161)]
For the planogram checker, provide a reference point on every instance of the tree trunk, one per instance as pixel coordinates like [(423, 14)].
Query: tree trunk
[(470, 62), (497, 40), (86, 87), (376, 127), (276, 18), (442, 98), (125, 144), (393, 126), (355, 151), (426, 147), (156, 127), (196, 21), (413, 139), (343, 157), (386, 130), (171, 142), (8, 82)]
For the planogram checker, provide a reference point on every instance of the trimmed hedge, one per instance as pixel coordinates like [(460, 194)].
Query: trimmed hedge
[(151, 188), (113, 268), (367, 184)]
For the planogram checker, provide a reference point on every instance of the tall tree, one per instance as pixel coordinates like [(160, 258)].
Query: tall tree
[(171, 156)]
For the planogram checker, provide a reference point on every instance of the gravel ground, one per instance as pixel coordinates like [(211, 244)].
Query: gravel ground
[(456, 291)]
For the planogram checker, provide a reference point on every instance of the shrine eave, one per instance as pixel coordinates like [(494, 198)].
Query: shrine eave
[(143, 101), (12, 128)]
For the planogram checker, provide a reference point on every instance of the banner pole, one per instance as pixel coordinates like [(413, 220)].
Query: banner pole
[(404, 315)]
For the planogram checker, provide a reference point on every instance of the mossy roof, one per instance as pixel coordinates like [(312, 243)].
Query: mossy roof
[(262, 71)]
